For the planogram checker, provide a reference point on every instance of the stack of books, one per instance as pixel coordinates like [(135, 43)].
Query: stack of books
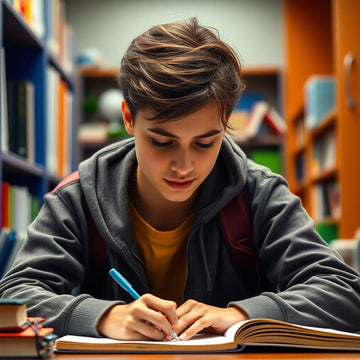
[(20, 335), (262, 120)]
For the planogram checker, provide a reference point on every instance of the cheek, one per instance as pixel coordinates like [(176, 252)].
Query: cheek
[(150, 159), (205, 162)]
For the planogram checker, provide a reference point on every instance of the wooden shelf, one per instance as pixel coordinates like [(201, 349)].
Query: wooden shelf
[(97, 71), (324, 175), (325, 124), (90, 143), (300, 150), (261, 70), (264, 141), (324, 30), (92, 82), (15, 163)]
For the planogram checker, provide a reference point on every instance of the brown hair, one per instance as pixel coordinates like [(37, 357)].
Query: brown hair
[(175, 69)]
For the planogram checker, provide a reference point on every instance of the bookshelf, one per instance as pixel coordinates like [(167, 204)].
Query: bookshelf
[(322, 161), (265, 149), (32, 47), (92, 82)]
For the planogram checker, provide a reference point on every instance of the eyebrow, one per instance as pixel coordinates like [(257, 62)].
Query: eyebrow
[(163, 132)]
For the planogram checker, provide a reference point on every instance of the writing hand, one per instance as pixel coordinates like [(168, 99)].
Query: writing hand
[(147, 318), (195, 317)]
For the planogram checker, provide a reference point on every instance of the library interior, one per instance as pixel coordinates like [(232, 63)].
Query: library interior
[(299, 114)]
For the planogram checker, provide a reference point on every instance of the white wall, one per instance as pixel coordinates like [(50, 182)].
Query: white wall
[(254, 28)]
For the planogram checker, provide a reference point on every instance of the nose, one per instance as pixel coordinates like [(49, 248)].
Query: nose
[(182, 163)]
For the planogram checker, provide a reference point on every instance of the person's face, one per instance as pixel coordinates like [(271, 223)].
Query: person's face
[(175, 157)]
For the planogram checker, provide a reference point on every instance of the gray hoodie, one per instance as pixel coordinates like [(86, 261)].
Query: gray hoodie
[(306, 282)]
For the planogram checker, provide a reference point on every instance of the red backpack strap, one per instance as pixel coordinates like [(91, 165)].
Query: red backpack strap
[(236, 224), (97, 251), (67, 180), (98, 258)]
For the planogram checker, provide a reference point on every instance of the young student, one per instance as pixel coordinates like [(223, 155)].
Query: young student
[(148, 206)]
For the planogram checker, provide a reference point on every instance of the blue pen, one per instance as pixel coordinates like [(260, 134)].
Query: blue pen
[(127, 287)]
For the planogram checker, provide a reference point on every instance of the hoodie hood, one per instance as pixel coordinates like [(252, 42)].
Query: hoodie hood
[(224, 182), (104, 181)]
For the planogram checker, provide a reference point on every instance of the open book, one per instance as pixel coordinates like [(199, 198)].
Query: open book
[(249, 332)]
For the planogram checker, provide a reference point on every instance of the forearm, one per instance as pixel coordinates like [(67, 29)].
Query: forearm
[(48, 267), (67, 314), (309, 283), (320, 309)]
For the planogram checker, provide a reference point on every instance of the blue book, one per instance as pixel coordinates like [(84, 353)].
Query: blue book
[(6, 250), (247, 100), (319, 99)]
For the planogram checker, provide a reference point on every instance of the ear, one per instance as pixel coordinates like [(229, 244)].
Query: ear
[(126, 114)]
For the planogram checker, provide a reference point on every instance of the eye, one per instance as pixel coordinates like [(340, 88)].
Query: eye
[(205, 145), (161, 143)]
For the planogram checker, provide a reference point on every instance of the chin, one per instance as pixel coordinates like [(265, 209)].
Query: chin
[(179, 197)]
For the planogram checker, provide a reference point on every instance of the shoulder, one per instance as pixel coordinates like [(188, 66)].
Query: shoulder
[(72, 178), (267, 190), (259, 175), (67, 191), (116, 150)]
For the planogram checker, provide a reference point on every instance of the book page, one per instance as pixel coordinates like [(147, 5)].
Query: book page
[(206, 342), (267, 331), (199, 339)]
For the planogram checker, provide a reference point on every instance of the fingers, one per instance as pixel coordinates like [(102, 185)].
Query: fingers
[(192, 319), (151, 318), (143, 319), (186, 308), (145, 331), (133, 329), (195, 317), (165, 307)]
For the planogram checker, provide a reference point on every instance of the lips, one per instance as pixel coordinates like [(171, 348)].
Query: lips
[(179, 184)]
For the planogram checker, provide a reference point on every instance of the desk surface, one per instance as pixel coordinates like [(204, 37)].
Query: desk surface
[(232, 356)]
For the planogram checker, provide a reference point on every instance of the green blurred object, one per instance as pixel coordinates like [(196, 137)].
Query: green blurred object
[(327, 230), (117, 131), (267, 157), (90, 105)]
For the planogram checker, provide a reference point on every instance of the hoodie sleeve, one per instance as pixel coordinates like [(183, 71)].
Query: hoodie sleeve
[(311, 285), (50, 265)]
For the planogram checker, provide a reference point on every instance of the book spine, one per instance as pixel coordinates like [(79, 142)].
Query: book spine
[(6, 251), (5, 204), (21, 114)]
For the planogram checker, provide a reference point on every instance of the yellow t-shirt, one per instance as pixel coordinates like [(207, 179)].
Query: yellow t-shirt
[(164, 256)]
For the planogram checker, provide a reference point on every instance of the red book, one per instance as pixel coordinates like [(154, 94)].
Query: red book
[(4, 204), (256, 117), (30, 342), (61, 130), (275, 121)]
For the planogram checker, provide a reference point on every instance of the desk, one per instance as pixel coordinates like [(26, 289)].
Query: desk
[(232, 356)]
